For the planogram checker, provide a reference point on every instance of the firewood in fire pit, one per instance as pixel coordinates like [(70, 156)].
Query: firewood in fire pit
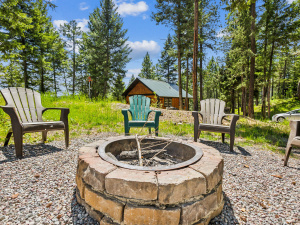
[(133, 154), (110, 155), (128, 155)]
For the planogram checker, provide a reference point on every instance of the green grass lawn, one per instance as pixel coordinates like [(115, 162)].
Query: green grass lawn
[(95, 116)]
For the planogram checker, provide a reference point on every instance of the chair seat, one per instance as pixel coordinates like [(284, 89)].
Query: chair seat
[(137, 123), (214, 128), (296, 141), (43, 126)]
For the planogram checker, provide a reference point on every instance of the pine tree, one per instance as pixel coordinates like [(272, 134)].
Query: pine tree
[(167, 62), (131, 79), (27, 41), (72, 32), (107, 51), (148, 70), (14, 22), (119, 87), (174, 13), (208, 21)]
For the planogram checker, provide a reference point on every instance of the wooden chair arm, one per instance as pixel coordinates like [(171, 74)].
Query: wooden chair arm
[(196, 115), (295, 130), (125, 114), (233, 120), (63, 115), (11, 111), (157, 115)]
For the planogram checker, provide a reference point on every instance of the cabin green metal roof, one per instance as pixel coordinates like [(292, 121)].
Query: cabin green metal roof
[(161, 88)]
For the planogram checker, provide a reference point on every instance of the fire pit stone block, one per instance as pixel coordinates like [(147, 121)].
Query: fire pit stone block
[(177, 186), (113, 209), (132, 184), (114, 195), (151, 215)]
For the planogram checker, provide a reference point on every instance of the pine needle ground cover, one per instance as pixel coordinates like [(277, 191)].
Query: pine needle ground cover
[(95, 116)]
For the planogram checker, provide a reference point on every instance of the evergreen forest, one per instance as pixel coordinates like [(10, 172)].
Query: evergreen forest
[(260, 51)]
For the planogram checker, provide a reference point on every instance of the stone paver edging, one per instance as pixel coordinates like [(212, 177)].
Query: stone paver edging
[(114, 195)]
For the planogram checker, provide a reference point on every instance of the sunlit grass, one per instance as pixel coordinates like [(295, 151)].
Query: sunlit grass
[(91, 117)]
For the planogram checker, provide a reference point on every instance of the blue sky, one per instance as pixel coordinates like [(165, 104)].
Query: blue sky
[(144, 35)]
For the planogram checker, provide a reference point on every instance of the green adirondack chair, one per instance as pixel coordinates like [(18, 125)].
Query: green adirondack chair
[(140, 110)]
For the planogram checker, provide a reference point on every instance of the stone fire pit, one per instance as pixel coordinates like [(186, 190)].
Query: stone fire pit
[(113, 192)]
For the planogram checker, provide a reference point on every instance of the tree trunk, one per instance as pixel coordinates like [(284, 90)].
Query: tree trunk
[(25, 65), (243, 100), (74, 68), (284, 75), (179, 67), (187, 84), (269, 78), (200, 68), (54, 78), (264, 87), (252, 63), (238, 100), (195, 54), (232, 100)]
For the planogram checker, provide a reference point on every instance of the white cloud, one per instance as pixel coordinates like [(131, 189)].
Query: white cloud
[(57, 23), (222, 33), (83, 6), (139, 49), (132, 9), (145, 17), (83, 24), (135, 72)]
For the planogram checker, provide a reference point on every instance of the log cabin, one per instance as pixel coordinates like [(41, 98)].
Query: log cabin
[(165, 94)]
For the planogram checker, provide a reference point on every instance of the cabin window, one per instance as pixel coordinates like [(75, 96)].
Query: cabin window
[(168, 102)]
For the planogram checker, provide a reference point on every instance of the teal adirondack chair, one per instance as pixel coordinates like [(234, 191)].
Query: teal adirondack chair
[(140, 110)]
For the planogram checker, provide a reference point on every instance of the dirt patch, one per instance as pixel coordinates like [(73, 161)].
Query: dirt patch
[(176, 116)]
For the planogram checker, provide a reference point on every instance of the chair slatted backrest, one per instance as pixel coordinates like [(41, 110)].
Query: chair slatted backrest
[(26, 101), (139, 107), (212, 111)]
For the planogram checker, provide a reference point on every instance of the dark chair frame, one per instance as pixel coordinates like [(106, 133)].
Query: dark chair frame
[(213, 120), (294, 139), (140, 110), (24, 107)]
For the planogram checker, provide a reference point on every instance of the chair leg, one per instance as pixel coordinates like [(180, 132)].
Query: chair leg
[(196, 133), (18, 138), (66, 131), (232, 136), (199, 132), (156, 131), (127, 129), (7, 138), (44, 136), (223, 137), (287, 154)]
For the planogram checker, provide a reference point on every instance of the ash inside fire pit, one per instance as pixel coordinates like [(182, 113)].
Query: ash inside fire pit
[(156, 153), (157, 157)]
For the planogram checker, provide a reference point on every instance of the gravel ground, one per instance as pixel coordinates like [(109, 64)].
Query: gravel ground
[(39, 189)]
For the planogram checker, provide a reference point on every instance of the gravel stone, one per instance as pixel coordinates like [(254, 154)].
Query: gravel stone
[(40, 188)]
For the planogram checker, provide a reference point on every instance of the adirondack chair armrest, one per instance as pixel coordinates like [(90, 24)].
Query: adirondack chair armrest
[(125, 114), (234, 118), (11, 111), (157, 115), (64, 112), (196, 114), (295, 129)]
